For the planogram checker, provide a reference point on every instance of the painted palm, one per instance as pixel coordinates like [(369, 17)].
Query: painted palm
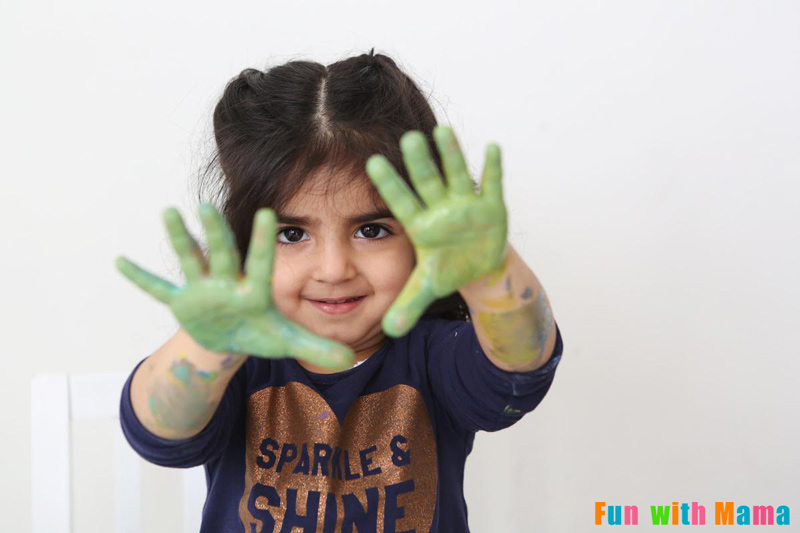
[(226, 311), (459, 235)]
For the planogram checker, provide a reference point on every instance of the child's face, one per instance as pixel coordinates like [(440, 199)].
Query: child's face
[(332, 257)]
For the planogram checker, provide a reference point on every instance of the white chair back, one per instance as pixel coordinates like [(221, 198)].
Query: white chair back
[(57, 400)]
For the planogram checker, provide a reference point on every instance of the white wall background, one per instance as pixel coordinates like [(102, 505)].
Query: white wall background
[(652, 169)]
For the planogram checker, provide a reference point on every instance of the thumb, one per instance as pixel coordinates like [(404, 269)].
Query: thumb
[(319, 351), (406, 310), (159, 288)]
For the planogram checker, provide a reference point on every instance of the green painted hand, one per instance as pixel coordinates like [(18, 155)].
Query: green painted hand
[(225, 311), (459, 235)]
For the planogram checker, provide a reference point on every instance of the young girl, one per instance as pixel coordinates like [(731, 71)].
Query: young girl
[(331, 368)]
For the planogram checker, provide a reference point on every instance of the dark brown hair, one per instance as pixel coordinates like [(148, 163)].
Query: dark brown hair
[(274, 128)]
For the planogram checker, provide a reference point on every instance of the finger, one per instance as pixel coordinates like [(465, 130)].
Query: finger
[(394, 191), (455, 168), (160, 289), (302, 344), (223, 257), (421, 168), (491, 181), (261, 253), (409, 306), (187, 249)]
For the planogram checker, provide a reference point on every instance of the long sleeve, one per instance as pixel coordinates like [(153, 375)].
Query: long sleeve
[(477, 394)]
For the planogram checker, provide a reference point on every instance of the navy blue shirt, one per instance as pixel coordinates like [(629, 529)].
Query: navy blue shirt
[(380, 447)]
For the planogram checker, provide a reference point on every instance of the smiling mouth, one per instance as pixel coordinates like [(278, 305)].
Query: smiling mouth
[(338, 307), (345, 300)]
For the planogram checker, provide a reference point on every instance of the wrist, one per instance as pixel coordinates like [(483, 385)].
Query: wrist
[(492, 279)]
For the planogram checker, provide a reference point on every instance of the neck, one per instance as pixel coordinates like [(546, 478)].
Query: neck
[(361, 356)]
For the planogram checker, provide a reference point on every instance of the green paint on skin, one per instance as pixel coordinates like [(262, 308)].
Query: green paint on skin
[(182, 371), (518, 337), (228, 311), (459, 236), (152, 404), (181, 404), (207, 376)]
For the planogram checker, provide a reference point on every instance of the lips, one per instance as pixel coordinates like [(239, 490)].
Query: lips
[(346, 305), (340, 300)]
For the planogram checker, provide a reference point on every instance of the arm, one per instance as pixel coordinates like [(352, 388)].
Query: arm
[(175, 391), (460, 241), (512, 316)]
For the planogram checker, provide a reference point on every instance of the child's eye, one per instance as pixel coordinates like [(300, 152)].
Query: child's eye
[(372, 231), (288, 236), (293, 235)]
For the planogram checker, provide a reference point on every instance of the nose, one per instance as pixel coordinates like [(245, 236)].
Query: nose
[(334, 263)]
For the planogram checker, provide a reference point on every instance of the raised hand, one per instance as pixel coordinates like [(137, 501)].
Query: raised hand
[(459, 235), (226, 311)]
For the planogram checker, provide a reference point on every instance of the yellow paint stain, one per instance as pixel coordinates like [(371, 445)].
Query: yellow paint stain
[(516, 336), (505, 302), (495, 277)]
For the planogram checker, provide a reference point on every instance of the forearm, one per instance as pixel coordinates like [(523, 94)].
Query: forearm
[(512, 316), (175, 391)]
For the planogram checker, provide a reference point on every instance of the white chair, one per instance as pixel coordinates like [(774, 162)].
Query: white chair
[(57, 400)]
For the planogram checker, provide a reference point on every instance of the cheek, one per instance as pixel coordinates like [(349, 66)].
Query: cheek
[(285, 287), (397, 268)]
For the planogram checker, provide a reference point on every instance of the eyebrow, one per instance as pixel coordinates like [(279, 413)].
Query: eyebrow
[(355, 219)]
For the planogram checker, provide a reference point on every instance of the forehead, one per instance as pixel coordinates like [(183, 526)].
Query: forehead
[(330, 192)]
